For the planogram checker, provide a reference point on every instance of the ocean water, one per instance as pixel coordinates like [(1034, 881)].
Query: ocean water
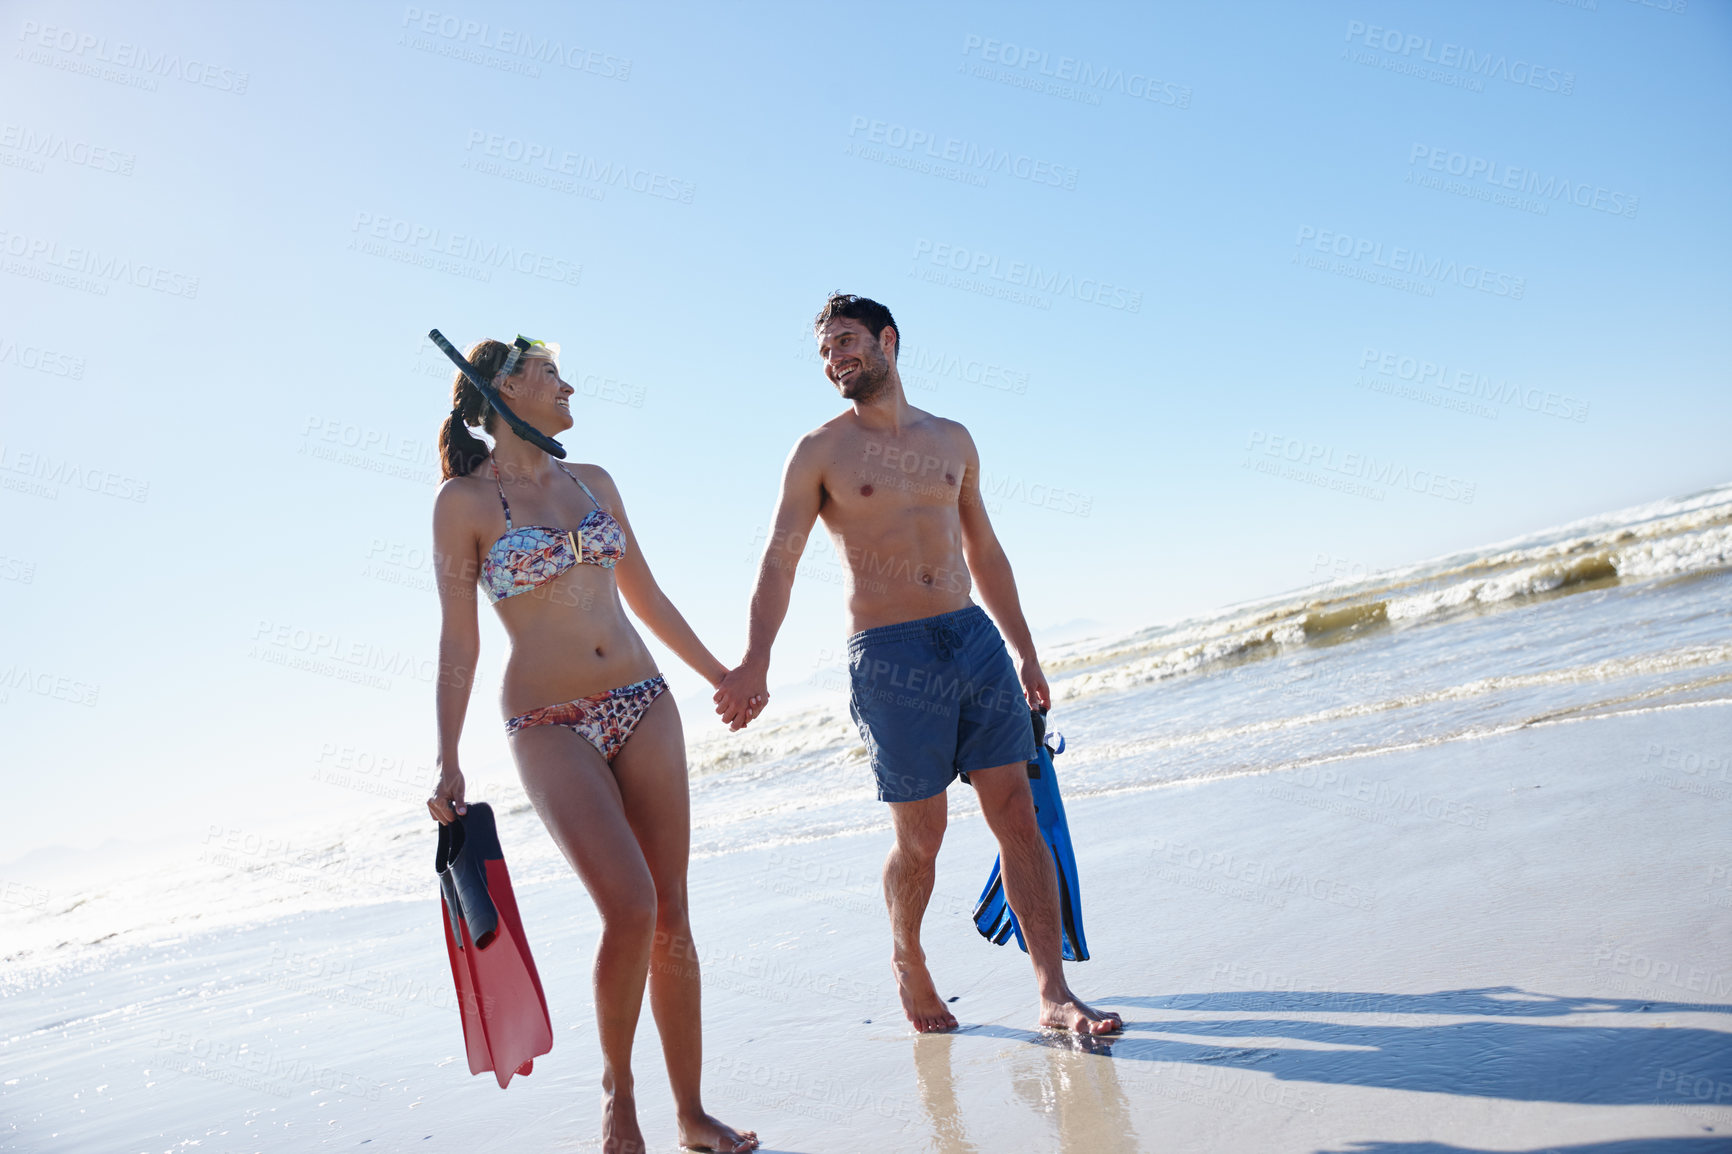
[(1626, 611)]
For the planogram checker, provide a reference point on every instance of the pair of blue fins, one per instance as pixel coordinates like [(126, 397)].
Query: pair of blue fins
[(505, 1020), (993, 916)]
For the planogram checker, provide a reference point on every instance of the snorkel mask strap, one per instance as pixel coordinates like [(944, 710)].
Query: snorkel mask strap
[(518, 425)]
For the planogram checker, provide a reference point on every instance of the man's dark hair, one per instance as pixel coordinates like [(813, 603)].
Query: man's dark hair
[(868, 312)]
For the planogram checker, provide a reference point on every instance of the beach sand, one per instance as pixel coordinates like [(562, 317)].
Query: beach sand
[(1514, 942)]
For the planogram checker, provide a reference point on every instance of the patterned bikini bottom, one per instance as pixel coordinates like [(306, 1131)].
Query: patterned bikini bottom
[(605, 720)]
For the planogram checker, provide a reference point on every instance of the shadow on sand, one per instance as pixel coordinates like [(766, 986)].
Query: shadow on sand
[(1509, 1052), (1632, 1146)]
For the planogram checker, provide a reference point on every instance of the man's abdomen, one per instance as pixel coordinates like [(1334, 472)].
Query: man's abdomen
[(902, 564)]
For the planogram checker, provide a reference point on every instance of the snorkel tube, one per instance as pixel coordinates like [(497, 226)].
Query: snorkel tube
[(518, 425)]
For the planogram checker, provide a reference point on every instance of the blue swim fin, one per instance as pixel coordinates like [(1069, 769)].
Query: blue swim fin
[(993, 916)]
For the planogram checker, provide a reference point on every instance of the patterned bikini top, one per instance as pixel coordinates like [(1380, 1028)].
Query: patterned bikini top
[(532, 555)]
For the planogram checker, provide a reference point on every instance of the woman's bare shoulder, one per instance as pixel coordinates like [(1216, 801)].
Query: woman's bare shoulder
[(595, 477), (462, 500)]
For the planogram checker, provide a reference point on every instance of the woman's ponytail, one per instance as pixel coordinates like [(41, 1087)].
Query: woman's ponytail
[(460, 451)]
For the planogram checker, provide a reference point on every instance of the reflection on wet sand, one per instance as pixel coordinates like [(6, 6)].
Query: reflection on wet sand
[(938, 1093), (1075, 1082), (1068, 1080)]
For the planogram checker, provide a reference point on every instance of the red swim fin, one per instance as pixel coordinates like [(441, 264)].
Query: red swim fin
[(456, 939), (505, 1020), (512, 1006)]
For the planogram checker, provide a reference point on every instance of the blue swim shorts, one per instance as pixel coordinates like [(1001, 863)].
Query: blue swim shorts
[(934, 698)]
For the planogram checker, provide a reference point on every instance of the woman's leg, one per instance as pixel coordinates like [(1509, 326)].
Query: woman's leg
[(651, 770), (579, 801)]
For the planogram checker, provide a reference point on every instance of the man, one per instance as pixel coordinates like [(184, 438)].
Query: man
[(934, 692)]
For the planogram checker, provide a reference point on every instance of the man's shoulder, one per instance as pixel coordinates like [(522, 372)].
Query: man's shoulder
[(831, 433), (946, 424), (842, 429), (945, 427)]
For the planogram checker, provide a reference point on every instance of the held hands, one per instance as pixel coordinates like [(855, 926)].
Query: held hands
[(741, 696), (447, 804)]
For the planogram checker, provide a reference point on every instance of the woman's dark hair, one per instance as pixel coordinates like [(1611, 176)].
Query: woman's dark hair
[(460, 451), (867, 311)]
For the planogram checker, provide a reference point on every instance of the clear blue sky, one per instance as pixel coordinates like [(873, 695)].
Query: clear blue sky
[(1411, 253)]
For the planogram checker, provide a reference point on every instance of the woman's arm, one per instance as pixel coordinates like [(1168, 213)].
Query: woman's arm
[(646, 599), (455, 569)]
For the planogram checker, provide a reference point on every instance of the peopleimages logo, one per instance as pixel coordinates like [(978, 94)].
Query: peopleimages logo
[(41, 360), (314, 650), (1469, 383), (1086, 76), (986, 268), (23, 679), (1478, 170), (1461, 63), (1357, 467), (88, 49), (920, 360), (428, 243), (45, 467), (516, 42), (51, 146), (1410, 262), (580, 166), (951, 150), (90, 262)]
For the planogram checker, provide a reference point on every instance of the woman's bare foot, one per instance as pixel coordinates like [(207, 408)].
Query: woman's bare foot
[(920, 1000), (619, 1129), (705, 1133), (1065, 1011)]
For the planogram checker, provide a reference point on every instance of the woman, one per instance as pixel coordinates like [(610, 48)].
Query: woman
[(596, 736)]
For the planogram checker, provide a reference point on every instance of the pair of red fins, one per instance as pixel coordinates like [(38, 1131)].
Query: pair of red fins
[(505, 1022)]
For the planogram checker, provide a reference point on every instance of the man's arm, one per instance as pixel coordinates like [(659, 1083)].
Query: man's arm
[(796, 513), (994, 581)]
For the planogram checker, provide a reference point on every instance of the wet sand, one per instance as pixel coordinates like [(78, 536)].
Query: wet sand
[(1511, 943)]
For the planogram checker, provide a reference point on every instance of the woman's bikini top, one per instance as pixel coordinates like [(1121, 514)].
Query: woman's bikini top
[(533, 555)]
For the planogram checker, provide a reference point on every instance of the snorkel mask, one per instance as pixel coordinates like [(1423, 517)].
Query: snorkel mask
[(524, 347), (520, 348)]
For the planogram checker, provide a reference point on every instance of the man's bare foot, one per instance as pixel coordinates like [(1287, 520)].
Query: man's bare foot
[(1065, 1011), (619, 1129), (920, 1000), (703, 1132)]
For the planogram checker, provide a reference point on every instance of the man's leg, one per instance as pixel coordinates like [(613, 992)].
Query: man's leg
[(908, 874), (1031, 886)]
